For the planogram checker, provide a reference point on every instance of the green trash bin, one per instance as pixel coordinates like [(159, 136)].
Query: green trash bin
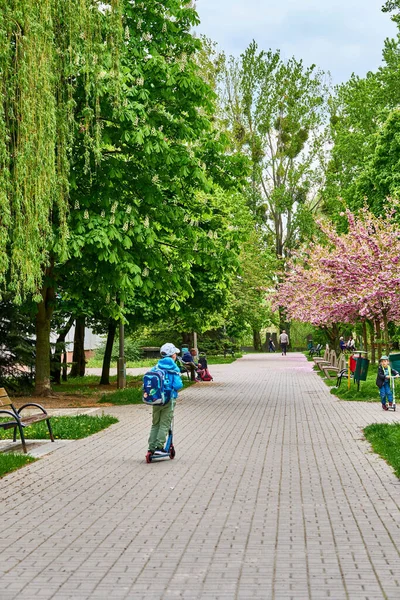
[(394, 360), (361, 371)]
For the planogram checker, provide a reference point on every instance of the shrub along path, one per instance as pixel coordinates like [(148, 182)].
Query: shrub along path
[(273, 494)]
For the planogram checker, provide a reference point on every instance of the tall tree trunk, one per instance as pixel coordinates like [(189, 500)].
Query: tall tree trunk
[(365, 336), (59, 351), (65, 366), (105, 373), (372, 336), (333, 337), (187, 339), (78, 357), (283, 322), (257, 340), (43, 327), (379, 339), (386, 333)]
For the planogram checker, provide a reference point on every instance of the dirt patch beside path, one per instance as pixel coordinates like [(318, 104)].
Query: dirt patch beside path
[(62, 401)]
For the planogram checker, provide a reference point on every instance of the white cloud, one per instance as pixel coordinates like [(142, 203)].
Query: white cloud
[(341, 36)]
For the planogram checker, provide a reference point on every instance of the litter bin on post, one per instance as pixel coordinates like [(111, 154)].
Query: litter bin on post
[(361, 370), (394, 360)]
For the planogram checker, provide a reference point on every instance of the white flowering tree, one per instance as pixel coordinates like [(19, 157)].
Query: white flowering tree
[(148, 224)]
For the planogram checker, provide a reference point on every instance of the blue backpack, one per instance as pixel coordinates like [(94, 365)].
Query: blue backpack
[(157, 387)]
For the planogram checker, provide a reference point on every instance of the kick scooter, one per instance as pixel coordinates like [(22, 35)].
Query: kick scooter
[(168, 450), (393, 407)]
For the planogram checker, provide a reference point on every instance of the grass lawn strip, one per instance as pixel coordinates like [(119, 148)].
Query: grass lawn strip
[(368, 389), (132, 395), (385, 441), (12, 462), (87, 391), (223, 360), (65, 428), (150, 362), (89, 384)]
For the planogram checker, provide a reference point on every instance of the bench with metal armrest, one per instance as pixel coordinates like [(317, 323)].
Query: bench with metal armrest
[(19, 421)]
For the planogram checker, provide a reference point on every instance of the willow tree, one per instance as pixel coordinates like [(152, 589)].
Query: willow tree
[(48, 50)]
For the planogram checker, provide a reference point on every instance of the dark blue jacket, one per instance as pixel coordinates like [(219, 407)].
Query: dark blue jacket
[(381, 377)]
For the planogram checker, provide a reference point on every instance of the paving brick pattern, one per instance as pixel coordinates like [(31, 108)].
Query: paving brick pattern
[(273, 494)]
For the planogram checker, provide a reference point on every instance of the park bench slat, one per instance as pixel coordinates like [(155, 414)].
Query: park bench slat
[(8, 425), (34, 419), (4, 396)]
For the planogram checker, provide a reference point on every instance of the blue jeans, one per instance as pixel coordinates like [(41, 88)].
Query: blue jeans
[(386, 391)]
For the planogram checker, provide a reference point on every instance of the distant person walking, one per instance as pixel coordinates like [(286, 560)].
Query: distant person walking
[(284, 341), (271, 345)]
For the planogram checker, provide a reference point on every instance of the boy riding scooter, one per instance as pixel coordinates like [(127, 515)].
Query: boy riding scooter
[(383, 380)]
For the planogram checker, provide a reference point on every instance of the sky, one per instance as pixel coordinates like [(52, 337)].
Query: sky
[(340, 36)]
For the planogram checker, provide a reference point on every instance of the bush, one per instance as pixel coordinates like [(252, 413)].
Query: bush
[(215, 343), (17, 349)]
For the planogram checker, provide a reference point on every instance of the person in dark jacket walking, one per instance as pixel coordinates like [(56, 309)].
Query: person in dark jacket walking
[(385, 372)]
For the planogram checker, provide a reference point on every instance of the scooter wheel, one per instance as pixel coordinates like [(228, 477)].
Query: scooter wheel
[(394, 407), (148, 457), (172, 453)]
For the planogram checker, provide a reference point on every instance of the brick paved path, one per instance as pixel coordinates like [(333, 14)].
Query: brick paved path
[(273, 495)]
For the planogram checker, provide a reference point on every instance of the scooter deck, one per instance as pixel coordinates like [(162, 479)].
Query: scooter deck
[(168, 449)]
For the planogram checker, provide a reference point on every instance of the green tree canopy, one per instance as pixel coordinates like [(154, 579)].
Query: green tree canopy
[(275, 110), (363, 112)]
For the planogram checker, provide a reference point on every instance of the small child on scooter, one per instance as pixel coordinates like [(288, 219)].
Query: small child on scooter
[(162, 415), (385, 372)]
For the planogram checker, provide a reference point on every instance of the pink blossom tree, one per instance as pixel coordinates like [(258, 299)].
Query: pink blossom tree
[(351, 278)]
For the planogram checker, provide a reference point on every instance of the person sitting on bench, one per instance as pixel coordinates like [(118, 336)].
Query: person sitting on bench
[(188, 360)]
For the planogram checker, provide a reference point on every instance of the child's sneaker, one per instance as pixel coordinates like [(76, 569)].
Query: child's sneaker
[(384, 407), (160, 452), (391, 404)]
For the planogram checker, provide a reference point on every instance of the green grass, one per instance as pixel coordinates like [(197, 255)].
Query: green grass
[(133, 395), (385, 441), (65, 428), (368, 389), (11, 462), (98, 363), (223, 360), (150, 362), (88, 385)]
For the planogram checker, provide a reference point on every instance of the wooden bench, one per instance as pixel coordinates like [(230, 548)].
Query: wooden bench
[(319, 361), (150, 352), (336, 365), (18, 420)]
